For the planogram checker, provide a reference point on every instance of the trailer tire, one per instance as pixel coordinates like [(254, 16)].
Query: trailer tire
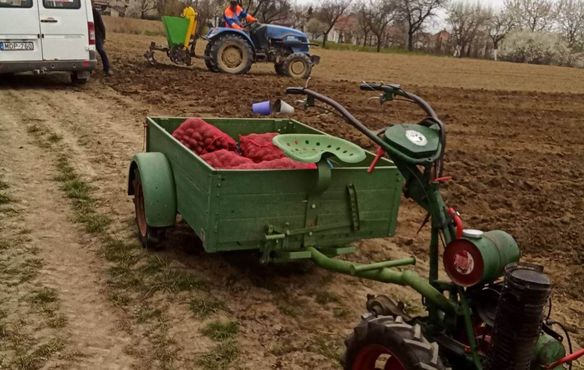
[(231, 53), (149, 236), (384, 338)]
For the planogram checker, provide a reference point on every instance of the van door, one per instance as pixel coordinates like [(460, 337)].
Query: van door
[(19, 31), (64, 29)]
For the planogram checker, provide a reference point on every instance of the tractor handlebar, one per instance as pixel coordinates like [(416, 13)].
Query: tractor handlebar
[(339, 108), (393, 89), (390, 91)]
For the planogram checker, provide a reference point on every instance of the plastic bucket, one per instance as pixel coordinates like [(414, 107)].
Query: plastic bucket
[(280, 106), (263, 108)]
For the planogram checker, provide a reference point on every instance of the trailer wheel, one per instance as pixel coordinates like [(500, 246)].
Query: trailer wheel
[(389, 343), (232, 54), (149, 236), (297, 65)]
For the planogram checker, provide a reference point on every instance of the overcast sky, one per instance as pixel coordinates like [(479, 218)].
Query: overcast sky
[(439, 22)]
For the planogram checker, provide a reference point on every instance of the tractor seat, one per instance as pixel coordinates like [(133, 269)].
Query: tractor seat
[(311, 148)]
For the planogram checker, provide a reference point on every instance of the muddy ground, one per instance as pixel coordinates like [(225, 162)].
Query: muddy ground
[(92, 296)]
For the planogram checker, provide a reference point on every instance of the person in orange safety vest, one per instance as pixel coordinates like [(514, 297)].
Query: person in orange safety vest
[(233, 15)]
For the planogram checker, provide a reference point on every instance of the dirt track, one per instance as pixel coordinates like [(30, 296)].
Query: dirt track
[(515, 154)]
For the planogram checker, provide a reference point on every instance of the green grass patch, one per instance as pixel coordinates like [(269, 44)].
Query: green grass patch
[(43, 296), (54, 138), (178, 280), (56, 321), (37, 358), (371, 49), (33, 129), (94, 223), (146, 313), (324, 297), (220, 357), (327, 347), (4, 199), (203, 307), (221, 331)]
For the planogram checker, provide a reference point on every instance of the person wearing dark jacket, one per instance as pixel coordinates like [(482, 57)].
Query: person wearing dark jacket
[(100, 40)]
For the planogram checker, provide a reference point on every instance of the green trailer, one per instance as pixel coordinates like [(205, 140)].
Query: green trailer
[(277, 212)]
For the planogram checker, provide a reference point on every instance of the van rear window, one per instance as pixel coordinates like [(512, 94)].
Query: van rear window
[(15, 3), (61, 4)]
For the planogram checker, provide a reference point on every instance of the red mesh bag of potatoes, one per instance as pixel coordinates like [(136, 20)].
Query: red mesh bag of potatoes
[(202, 137), (225, 159), (280, 163), (259, 147)]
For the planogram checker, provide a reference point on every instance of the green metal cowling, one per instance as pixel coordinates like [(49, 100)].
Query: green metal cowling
[(480, 258), (547, 351), (158, 187), (498, 249)]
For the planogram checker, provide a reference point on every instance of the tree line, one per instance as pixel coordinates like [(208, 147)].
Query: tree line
[(473, 28)]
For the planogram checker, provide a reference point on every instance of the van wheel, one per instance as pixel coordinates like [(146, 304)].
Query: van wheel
[(79, 78)]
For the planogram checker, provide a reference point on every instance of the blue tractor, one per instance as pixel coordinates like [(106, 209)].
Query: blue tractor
[(234, 51)]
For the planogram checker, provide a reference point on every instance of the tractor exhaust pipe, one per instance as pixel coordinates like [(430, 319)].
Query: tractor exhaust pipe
[(519, 317)]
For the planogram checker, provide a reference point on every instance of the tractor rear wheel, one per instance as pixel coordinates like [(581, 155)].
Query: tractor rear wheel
[(389, 343), (232, 54), (297, 65), (149, 236), (211, 66)]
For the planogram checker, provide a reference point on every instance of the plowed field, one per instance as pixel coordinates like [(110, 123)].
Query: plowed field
[(515, 151)]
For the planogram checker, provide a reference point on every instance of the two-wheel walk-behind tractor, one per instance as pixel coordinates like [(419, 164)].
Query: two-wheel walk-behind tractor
[(474, 321)]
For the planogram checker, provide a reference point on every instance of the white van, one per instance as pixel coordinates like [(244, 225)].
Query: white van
[(47, 35)]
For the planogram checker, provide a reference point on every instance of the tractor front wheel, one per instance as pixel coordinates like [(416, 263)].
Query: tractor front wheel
[(232, 54), (209, 62), (390, 343), (297, 65), (278, 67), (150, 237)]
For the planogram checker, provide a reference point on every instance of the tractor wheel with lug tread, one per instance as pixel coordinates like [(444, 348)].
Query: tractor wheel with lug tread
[(231, 53), (149, 236), (209, 62), (297, 65), (389, 343)]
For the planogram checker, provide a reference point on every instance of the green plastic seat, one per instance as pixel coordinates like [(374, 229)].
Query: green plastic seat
[(310, 148)]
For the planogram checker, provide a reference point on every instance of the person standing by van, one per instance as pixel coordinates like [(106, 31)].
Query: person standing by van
[(100, 40)]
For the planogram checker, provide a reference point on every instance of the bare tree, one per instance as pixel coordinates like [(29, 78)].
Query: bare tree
[(415, 13), (571, 22), (466, 21), (499, 26), (532, 15), (269, 11), (143, 8), (315, 28), (363, 14), (381, 14), (329, 13)]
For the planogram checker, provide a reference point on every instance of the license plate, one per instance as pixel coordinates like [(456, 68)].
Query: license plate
[(13, 46)]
